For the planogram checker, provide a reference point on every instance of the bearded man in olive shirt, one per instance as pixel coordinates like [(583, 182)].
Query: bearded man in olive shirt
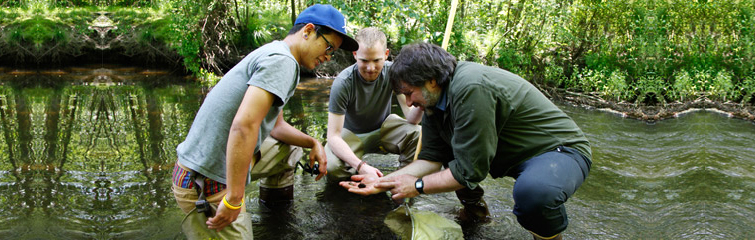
[(481, 120)]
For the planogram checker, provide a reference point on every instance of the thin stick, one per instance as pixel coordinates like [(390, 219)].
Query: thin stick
[(446, 37)]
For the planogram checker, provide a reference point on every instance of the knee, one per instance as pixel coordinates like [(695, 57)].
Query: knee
[(333, 165), (336, 167), (540, 208), (413, 132), (411, 139), (536, 198)]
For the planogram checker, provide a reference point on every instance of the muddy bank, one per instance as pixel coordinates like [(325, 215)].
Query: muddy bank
[(652, 113)]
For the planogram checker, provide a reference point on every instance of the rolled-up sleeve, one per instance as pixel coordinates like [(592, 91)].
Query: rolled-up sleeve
[(475, 136)]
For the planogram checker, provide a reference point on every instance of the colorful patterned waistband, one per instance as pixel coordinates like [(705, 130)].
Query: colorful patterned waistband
[(182, 178)]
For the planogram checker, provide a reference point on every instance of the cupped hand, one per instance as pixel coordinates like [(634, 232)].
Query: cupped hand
[(363, 185)]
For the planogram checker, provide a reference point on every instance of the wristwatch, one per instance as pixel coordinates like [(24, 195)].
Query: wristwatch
[(419, 185)]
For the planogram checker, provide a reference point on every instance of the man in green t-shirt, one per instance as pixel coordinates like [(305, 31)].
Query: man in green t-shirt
[(239, 134), (481, 120), (359, 113)]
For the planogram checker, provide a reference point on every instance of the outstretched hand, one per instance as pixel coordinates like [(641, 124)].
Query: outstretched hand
[(363, 185)]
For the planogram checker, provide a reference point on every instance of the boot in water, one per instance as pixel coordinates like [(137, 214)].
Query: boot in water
[(277, 198), (475, 209)]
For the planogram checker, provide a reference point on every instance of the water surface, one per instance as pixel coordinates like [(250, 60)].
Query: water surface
[(87, 153)]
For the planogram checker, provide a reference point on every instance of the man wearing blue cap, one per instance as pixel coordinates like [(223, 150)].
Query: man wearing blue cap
[(240, 127)]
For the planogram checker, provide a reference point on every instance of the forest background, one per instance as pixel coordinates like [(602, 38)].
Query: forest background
[(649, 59)]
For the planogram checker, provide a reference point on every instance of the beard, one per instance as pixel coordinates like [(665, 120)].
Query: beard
[(431, 99)]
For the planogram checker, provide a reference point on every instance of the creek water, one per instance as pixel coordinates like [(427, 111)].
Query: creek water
[(87, 153)]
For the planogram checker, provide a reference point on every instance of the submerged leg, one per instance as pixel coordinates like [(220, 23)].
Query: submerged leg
[(475, 209)]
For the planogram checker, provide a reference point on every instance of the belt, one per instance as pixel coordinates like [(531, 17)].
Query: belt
[(182, 177)]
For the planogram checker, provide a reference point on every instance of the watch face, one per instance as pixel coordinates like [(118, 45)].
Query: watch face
[(418, 184)]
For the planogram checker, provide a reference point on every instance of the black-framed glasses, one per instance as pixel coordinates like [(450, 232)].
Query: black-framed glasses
[(331, 50)]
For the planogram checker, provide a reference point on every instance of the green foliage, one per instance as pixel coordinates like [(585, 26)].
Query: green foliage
[(33, 37), (184, 36), (607, 84), (721, 87), (717, 85), (214, 34), (653, 51), (616, 87), (650, 91), (103, 3), (258, 26), (72, 3), (747, 89), (10, 3), (513, 60), (207, 79), (685, 86)]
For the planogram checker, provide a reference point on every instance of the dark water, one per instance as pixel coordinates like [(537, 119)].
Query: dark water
[(87, 153)]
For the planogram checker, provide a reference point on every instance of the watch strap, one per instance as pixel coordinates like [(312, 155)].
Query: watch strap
[(419, 185)]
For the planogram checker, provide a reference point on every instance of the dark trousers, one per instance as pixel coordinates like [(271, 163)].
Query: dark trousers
[(543, 184)]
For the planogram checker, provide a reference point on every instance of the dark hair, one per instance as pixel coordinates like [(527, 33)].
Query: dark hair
[(318, 28), (421, 62)]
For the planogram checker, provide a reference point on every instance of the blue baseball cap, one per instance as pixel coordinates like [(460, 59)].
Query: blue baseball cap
[(328, 16)]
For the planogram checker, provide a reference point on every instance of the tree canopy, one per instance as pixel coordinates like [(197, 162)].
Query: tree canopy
[(645, 52)]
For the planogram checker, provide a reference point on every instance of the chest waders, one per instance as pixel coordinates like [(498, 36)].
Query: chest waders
[(202, 205)]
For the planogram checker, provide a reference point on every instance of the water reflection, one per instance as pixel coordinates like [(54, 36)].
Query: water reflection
[(86, 153), (678, 178)]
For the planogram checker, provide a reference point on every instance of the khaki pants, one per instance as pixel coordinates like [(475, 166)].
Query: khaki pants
[(277, 163), (394, 136), (194, 224), (275, 169)]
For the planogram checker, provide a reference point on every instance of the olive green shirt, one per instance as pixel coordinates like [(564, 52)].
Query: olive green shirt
[(489, 120)]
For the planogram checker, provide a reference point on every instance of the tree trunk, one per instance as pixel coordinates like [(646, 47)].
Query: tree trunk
[(293, 12), (51, 125), (238, 17)]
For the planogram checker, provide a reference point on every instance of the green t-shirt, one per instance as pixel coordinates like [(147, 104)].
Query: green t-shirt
[(270, 67), (490, 120), (365, 104)]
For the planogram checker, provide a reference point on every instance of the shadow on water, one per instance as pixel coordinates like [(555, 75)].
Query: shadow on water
[(87, 153)]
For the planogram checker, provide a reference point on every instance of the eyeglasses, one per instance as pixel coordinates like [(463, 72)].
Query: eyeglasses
[(330, 50)]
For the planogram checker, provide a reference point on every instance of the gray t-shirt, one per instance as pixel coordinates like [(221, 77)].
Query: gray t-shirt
[(365, 104), (270, 67)]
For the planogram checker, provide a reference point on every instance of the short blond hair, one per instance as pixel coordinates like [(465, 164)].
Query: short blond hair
[(370, 36)]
